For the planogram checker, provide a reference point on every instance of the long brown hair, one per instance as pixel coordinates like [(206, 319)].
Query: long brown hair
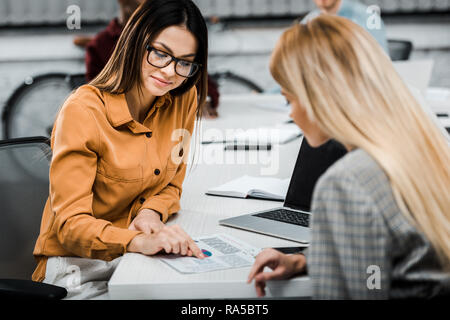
[(123, 70), (349, 87)]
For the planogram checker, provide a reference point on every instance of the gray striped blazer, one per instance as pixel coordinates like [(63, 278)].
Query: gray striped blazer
[(362, 246)]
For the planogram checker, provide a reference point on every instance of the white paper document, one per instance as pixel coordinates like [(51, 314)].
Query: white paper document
[(222, 251), (259, 136)]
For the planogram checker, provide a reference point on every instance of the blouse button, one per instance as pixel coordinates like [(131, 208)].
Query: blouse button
[(157, 172), (148, 134)]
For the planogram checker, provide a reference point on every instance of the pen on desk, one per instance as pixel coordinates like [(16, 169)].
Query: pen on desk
[(213, 141), (248, 147), (289, 250)]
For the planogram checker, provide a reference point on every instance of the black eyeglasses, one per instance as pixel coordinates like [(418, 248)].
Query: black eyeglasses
[(161, 59)]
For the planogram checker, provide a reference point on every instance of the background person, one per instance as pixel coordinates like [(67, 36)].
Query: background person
[(384, 206), (114, 176), (351, 10), (355, 11), (100, 47)]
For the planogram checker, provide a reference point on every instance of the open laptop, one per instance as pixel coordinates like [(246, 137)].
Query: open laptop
[(416, 73), (292, 220)]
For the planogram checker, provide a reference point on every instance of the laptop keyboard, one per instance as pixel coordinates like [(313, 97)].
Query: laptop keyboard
[(287, 216)]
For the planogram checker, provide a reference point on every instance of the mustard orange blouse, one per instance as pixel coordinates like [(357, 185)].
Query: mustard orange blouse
[(106, 167)]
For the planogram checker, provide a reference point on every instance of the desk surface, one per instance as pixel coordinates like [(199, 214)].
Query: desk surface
[(139, 276)]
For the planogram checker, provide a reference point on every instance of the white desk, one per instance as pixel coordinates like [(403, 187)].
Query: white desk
[(142, 277), (439, 101)]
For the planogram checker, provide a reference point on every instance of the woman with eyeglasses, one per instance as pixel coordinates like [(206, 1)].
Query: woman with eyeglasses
[(120, 145), (381, 214)]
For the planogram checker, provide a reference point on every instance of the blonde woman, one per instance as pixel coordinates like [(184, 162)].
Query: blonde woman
[(381, 214)]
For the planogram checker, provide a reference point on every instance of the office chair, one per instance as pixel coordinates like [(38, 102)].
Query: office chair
[(230, 82), (399, 49), (32, 107), (24, 185)]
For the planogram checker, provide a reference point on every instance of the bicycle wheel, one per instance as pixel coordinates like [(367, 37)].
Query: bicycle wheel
[(32, 108), (230, 82)]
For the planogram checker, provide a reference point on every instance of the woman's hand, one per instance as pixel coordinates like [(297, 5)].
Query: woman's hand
[(148, 221), (283, 266), (171, 239), (209, 112)]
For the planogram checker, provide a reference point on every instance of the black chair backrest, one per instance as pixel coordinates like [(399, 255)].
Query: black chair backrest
[(230, 82), (399, 49), (24, 180), (77, 80)]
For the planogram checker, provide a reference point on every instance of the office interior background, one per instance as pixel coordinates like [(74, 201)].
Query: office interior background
[(35, 37)]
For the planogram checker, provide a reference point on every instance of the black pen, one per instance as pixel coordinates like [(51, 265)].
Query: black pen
[(213, 141), (247, 147), (289, 250)]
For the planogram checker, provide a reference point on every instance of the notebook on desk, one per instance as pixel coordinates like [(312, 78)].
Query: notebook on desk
[(253, 187), (291, 221)]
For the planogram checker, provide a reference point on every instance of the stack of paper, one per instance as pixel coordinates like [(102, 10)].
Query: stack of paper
[(260, 136)]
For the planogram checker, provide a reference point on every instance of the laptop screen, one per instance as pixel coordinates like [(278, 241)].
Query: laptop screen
[(310, 165)]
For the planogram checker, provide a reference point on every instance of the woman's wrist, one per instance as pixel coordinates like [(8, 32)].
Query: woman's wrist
[(135, 244), (299, 261), (152, 213)]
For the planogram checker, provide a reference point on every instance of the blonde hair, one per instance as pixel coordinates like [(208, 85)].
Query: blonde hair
[(349, 87)]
